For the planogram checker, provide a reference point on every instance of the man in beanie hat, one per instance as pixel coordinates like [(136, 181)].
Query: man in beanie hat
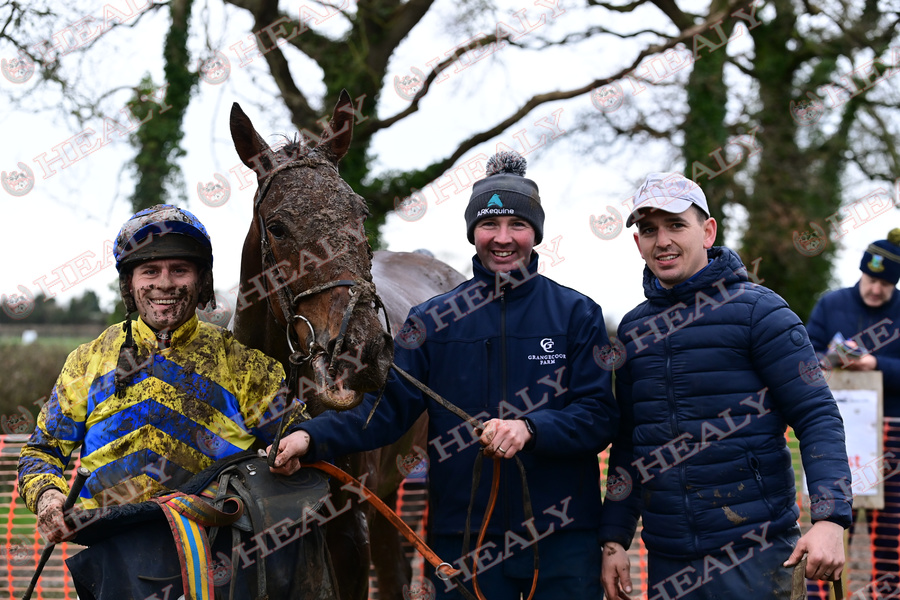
[(517, 351), (150, 402), (843, 324), (709, 383)]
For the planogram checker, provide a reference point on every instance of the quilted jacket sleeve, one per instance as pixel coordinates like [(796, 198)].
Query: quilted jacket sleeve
[(780, 347)]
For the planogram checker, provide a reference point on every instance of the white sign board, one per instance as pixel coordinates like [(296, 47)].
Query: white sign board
[(859, 398)]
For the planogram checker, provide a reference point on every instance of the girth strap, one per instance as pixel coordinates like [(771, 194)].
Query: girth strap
[(187, 516)]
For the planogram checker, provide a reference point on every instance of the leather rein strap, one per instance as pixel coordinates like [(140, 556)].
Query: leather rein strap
[(445, 570), (476, 479)]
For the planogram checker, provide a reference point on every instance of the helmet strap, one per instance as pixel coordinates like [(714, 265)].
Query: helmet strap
[(127, 365)]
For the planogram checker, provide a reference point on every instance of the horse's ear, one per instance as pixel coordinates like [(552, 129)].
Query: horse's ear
[(337, 135), (250, 146)]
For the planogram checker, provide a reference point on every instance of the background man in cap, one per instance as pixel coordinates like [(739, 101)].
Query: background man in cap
[(709, 383), (850, 314), (514, 349)]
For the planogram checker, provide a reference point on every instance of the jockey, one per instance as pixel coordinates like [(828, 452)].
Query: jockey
[(153, 401)]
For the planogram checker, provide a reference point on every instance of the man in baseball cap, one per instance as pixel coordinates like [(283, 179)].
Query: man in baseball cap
[(711, 475)]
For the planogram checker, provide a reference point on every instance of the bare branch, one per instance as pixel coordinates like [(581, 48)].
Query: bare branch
[(540, 99)]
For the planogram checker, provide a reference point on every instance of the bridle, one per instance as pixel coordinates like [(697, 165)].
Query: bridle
[(288, 304)]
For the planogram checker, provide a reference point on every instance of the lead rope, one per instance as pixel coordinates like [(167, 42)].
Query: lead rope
[(476, 479)]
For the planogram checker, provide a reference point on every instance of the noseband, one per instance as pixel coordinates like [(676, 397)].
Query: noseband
[(288, 304)]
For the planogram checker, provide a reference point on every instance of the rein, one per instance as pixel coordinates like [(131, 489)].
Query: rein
[(444, 570), (476, 479)]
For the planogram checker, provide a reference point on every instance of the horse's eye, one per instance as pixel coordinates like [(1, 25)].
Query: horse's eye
[(277, 230)]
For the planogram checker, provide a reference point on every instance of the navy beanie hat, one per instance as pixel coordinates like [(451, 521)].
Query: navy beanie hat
[(882, 258), (505, 192)]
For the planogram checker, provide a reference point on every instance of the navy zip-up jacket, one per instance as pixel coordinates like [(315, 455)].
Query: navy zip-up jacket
[(715, 369), (875, 329), (525, 348)]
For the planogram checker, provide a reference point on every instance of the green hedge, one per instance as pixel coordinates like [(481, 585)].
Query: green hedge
[(27, 376)]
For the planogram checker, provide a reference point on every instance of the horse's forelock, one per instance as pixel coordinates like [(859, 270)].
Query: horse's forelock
[(292, 149)]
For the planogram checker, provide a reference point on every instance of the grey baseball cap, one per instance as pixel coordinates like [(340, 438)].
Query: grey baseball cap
[(670, 192)]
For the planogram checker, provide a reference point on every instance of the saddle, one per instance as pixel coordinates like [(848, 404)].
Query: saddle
[(264, 513)]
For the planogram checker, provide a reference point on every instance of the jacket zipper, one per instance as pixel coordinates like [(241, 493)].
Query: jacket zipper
[(503, 390), (754, 467), (682, 468)]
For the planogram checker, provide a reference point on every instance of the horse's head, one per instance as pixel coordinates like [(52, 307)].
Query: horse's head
[(313, 263)]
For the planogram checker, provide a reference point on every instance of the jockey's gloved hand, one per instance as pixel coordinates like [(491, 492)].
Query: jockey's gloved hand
[(51, 524)]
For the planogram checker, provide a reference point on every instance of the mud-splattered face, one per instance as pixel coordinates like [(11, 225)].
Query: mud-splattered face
[(166, 292)]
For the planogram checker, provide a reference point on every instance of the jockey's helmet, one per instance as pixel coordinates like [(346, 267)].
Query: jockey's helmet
[(159, 232)]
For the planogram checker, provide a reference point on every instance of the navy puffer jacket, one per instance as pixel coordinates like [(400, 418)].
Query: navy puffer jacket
[(716, 368)]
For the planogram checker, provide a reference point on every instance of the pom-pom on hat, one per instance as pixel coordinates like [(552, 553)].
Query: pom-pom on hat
[(882, 258), (505, 192)]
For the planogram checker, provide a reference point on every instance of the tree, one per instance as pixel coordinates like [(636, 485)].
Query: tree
[(787, 105), (775, 108), (357, 57)]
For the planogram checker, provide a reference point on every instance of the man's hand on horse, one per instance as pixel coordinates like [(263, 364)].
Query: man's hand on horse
[(290, 449), (51, 524), (502, 438)]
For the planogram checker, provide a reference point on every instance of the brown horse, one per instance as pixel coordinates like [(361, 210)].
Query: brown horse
[(309, 300)]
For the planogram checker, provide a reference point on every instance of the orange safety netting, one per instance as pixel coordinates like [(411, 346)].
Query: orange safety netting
[(22, 545), (873, 553)]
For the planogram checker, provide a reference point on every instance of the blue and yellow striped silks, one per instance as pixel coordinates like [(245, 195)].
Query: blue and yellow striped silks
[(205, 397), (188, 516)]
